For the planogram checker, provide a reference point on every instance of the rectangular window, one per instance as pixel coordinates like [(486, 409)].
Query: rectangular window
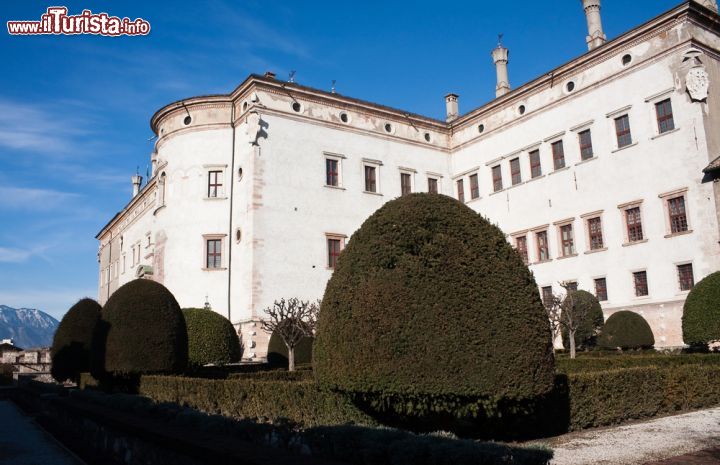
[(213, 253), (405, 183), (333, 251), (634, 224), (543, 252), (595, 233), (622, 131), (547, 295), (214, 184), (515, 174), (521, 247), (558, 154), (685, 276), (332, 173), (571, 286), (641, 284), (535, 168), (370, 179), (432, 185), (460, 190), (601, 289), (664, 113), (474, 187), (568, 242), (586, 147), (678, 218), (497, 178)]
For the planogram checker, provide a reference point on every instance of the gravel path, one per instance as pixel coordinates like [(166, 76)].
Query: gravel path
[(639, 443), (23, 443)]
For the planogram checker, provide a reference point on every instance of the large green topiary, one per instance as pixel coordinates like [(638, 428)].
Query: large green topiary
[(211, 338), (429, 298), (142, 330), (72, 342), (626, 330), (591, 319), (701, 312), (278, 354)]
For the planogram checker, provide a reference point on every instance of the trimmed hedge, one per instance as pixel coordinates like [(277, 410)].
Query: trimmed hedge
[(626, 330), (211, 338), (299, 401), (701, 312), (142, 330), (428, 298), (278, 354), (275, 375), (71, 347), (613, 362), (591, 326)]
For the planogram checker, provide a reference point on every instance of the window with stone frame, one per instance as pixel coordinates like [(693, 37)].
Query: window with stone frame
[(586, 147), (567, 240), (547, 295), (334, 247), (595, 233), (535, 167), (474, 186), (664, 113), (497, 178), (332, 172), (686, 278), (405, 183), (460, 190), (370, 178), (601, 289), (571, 286), (558, 152), (633, 222), (215, 184), (677, 214), (515, 175), (521, 247), (433, 185), (641, 283), (213, 253), (543, 249), (622, 131)]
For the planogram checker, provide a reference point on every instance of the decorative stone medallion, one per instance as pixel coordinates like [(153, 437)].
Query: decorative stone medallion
[(697, 82)]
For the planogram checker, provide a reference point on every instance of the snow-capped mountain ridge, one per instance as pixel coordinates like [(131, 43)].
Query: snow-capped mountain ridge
[(27, 327)]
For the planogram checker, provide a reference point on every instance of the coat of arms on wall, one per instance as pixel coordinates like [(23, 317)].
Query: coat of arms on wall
[(697, 82)]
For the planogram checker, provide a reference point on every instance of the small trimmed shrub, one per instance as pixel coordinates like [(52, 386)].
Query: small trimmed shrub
[(211, 338), (72, 343), (428, 298), (590, 326), (626, 330), (142, 330), (278, 353), (701, 312)]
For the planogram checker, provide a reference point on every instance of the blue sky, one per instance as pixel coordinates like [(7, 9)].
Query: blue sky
[(74, 110)]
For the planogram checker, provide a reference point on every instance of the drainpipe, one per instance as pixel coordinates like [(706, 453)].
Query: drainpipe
[(230, 225)]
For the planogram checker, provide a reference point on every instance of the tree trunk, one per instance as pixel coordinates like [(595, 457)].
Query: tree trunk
[(291, 358), (571, 336)]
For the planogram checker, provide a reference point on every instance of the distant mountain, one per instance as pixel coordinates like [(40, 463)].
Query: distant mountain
[(27, 327)]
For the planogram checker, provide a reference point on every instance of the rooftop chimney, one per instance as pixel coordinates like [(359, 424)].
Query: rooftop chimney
[(451, 107), (500, 56), (136, 181), (712, 4), (596, 36)]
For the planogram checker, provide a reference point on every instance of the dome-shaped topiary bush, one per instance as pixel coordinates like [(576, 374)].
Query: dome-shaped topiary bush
[(72, 342), (278, 354), (211, 338), (428, 298), (626, 330), (701, 312), (142, 330), (588, 312)]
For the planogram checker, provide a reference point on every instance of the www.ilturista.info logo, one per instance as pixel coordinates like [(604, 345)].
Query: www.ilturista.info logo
[(57, 21)]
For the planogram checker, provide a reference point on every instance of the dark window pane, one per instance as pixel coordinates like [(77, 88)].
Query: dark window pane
[(566, 237), (497, 178), (558, 155), (370, 181), (214, 257), (432, 185), (664, 116), (521, 247), (515, 174), (678, 218), (685, 275), (586, 148), (214, 183), (601, 289), (535, 168), (331, 172), (333, 246), (634, 224), (622, 131), (595, 231), (460, 190), (474, 187), (641, 285), (543, 252), (405, 186)]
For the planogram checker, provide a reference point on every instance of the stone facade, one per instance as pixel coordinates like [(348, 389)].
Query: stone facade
[(274, 170)]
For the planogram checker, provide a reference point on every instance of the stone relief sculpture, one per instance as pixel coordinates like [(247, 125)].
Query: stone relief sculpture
[(697, 82)]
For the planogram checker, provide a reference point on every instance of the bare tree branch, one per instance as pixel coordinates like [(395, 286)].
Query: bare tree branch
[(291, 319)]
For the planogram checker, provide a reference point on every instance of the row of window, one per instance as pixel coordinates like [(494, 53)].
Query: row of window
[(676, 223), (623, 134), (371, 169), (685, 282)]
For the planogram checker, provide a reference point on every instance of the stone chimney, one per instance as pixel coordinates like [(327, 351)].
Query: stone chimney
[(136, 181), (596, 36), (500, 56), (712, 4), (451, 107)]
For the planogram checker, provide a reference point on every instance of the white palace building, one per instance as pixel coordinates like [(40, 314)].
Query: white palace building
[(603, 171)]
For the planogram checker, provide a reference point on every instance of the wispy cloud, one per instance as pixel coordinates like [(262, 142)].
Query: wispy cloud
[(16, 255), (23, 198)]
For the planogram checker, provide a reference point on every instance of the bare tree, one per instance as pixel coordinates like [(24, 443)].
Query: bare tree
[(567, 313), (291, 319)]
